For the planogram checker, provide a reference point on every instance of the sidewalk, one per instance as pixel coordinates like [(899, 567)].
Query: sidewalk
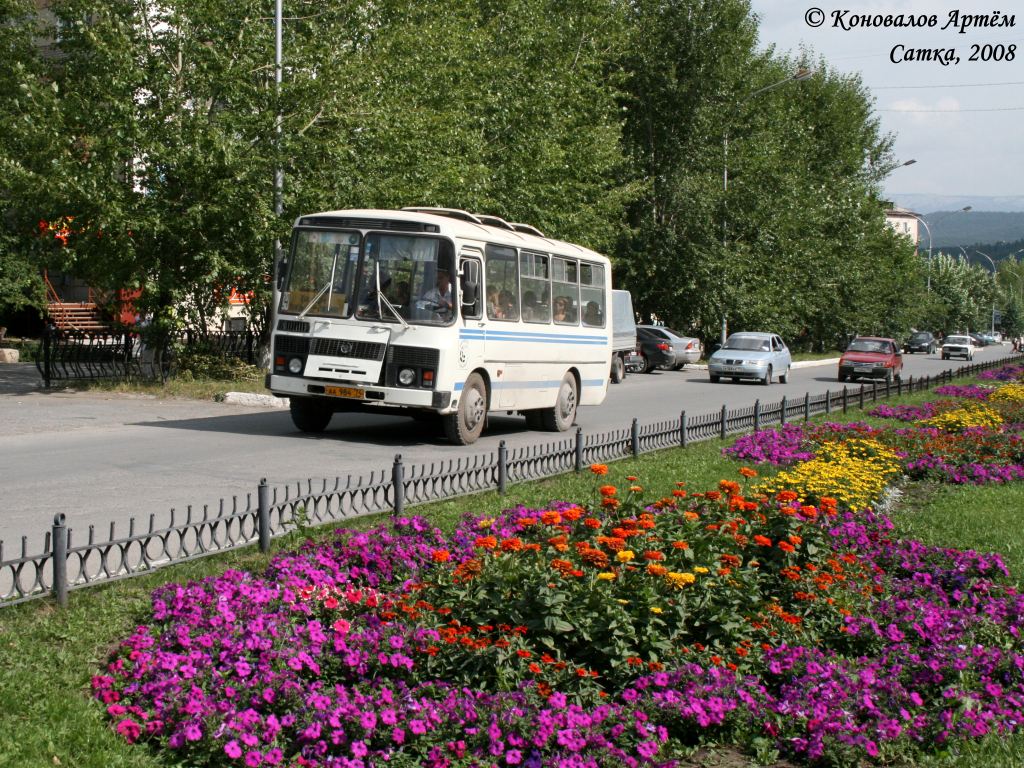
[(19, 379)]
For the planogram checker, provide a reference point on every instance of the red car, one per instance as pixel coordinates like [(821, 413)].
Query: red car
[(871, 357)]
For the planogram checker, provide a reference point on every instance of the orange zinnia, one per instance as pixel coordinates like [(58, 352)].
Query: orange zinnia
[(607, 490), (763, 541), (599, 469), (748, 472), (550, 518)]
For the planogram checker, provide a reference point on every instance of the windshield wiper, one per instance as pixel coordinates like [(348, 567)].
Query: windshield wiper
[(328, 287), (381, 298)]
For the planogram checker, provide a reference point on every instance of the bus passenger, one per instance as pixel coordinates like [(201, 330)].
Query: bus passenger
[(507, 305), (494, 305), (561, 311)]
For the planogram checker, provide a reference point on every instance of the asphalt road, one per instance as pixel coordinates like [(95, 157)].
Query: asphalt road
[(101, 457)]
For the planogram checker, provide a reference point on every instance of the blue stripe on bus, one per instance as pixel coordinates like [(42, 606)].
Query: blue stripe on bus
[(531, 384), (527, 336)]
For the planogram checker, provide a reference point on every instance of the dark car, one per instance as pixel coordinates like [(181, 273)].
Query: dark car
[(922, 341), (654, 349), (872, 357), (978, 340), (685, 349)]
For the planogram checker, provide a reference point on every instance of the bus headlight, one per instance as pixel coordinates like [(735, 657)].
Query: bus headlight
[(295, 365), (406, 377)]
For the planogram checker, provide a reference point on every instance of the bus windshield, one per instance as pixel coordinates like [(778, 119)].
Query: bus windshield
[(415, 279), (320, 273), (326, 277)]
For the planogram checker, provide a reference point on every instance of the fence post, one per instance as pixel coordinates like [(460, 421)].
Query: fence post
[(634, 438), (59, 536), (862, 397), (757, 415), (47, 353), (579, 449), (782, 411), (398, 485), (263, 514), (722, 429), (828, 401), (874, 390), (845, 398), (683, 437), (899, 385), (927, 381), (807, 406), (503, 467)]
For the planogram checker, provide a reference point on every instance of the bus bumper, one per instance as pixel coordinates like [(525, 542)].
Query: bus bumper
[(373, 395)]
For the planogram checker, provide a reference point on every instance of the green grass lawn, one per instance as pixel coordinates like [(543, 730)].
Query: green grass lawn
[(47, 655)]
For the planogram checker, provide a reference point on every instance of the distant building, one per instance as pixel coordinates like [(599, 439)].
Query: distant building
[(903, 221)]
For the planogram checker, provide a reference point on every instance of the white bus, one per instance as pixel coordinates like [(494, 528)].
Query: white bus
[(437, 310)]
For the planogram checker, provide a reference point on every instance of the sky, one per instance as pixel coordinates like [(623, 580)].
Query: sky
[(962, 123)]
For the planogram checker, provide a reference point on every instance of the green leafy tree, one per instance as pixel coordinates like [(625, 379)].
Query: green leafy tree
[(27, 136)]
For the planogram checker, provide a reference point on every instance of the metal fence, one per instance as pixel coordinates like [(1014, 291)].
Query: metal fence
[(85, 356), (68, 562)]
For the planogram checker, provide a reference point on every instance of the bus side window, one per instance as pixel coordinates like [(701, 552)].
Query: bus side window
[(502, 283), (533, 275), (565, 292), (592, 295)]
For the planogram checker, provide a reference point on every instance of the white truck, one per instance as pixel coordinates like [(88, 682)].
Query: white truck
[(623, 333)]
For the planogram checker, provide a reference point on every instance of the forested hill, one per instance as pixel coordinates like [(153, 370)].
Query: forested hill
[(955, 228)]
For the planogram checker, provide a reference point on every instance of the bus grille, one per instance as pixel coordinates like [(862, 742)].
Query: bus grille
[(291, 345), (293, 326), (417, 357), (362, 350)]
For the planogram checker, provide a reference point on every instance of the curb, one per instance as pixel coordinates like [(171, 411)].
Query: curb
[(255, 400)]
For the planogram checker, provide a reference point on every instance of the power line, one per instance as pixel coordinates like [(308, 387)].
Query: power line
[(950, 111), (944, 85)]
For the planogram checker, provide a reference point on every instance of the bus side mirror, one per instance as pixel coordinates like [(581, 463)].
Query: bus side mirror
[(282, 270), (469, 288)]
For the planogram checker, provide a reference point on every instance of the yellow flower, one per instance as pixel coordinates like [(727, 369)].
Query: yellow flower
[(486, 522), (700, 569), (624, 556), (969, 415), (680, 580), (656, 609), (606, 576)]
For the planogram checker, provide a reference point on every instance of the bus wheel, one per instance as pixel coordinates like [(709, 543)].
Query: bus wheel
[(465, 425), (561, 417), (309, 415), (618, 370)]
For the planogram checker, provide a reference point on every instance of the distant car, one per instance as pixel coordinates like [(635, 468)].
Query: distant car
[(871, 357), (655, 351), (635, 362), (685, 349), (989, 338), (958, 346), (758, 356), (977, 340), (921, 341)]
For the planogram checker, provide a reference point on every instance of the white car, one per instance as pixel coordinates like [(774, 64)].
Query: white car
[(758, 356), (957, 346)]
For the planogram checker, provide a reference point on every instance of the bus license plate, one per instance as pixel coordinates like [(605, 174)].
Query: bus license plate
[(351, 392)]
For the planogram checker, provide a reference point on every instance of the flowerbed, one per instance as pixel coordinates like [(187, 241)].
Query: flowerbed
[(975, 435), (772, 613)]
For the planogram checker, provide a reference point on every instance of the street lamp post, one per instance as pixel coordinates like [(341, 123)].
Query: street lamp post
[(801, 74), (965, 209), (993, 331)]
